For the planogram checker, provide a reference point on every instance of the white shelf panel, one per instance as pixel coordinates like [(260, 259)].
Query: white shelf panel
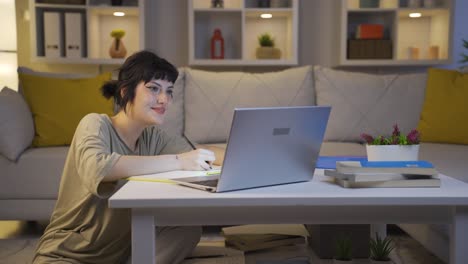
[(109, 10), (372, 10), (278, 12), (61, 6), (240, 62), (228, 4), (80, 61), (393, 62), (218, 10), (424, 12), (97, 23), (240, 24), (428, 36)]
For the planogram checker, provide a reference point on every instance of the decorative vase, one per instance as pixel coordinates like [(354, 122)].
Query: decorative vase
[(268, 53), (117, 49), (392, 152)]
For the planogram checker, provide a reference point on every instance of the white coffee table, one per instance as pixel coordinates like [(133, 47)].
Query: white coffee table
[(315, 202)]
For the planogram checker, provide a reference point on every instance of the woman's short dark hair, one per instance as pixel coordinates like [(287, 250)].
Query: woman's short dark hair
[(140, 66)]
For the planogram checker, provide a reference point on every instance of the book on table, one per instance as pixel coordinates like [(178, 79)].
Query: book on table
[(430, 182), (364, 174), (404, 167)]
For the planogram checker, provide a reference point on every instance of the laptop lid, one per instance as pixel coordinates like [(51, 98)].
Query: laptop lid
[(271, 146)]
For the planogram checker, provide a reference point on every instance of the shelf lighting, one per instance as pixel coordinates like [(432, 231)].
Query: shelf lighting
[(415, 15), (266, 15), (120, 14)]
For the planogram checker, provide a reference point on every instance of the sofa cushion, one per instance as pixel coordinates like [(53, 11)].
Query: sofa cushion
[(444, 115), (368, 103), (30, 71), (210, 97), (174, 120), (58, 104), (36, 174), (16, 124)]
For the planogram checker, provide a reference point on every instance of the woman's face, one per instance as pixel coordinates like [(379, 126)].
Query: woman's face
[(151, 101)]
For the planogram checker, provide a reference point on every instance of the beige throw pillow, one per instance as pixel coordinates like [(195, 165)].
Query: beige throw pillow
[(16, 124), (210, 97), (369, 103)]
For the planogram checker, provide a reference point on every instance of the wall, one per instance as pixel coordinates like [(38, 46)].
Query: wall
[(167, 27)]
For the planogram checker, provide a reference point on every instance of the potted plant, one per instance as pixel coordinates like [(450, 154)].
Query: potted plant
[(267, 48), (396, 147), (117, 49), (380, 249), (343, 254)]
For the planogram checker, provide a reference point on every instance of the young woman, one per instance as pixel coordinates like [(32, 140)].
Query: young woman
[(83, 229)]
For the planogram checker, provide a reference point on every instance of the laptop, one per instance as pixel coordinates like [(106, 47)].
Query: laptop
[(268, 146)]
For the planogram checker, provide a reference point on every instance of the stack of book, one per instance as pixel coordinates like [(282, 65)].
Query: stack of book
[(258, 237), (366, 174)]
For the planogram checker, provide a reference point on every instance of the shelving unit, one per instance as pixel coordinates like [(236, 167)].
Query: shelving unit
[(90, 30), (240, 25), (424, 40)]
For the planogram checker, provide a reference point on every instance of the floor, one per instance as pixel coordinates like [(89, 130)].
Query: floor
[(18, 241)]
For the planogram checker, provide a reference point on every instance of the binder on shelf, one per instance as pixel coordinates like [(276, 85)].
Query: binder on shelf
[(370, 49), (370, 31), (52, 43), (73, 35)]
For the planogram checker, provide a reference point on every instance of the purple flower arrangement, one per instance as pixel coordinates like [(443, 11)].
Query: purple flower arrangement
[(397, 138)]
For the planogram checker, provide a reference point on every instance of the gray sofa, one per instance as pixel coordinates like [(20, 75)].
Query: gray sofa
[(202, 110)]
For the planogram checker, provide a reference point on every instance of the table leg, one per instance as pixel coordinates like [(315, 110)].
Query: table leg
[(459, 236), (143, 238)]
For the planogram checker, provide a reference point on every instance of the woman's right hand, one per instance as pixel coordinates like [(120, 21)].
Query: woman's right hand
[(199, 159)]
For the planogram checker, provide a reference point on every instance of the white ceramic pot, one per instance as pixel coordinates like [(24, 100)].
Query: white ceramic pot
[(392, 152)]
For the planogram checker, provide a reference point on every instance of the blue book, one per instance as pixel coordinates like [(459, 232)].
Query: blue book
[(420, 167), (329, 162)]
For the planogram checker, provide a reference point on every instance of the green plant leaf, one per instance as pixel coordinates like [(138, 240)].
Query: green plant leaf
[(266, 40), (465, 43), (380, 249)]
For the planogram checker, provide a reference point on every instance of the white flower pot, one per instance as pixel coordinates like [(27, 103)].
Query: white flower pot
[(392, 152)]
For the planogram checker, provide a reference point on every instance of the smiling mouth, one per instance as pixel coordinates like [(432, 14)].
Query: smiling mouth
[(159, 110)]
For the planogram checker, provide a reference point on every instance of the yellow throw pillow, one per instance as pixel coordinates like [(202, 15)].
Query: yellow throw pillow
[(58, 104), (445, 114)]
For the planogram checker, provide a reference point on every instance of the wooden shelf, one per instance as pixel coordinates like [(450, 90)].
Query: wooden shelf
[(240, 25), (432, 31), (93, 38)]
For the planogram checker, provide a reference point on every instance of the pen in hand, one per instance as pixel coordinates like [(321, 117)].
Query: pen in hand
[(194, 148)]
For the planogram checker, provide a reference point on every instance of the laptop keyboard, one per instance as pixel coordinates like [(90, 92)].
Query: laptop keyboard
[(210, 183)]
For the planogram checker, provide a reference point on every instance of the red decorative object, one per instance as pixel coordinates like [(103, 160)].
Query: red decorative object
[(217, 45)]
